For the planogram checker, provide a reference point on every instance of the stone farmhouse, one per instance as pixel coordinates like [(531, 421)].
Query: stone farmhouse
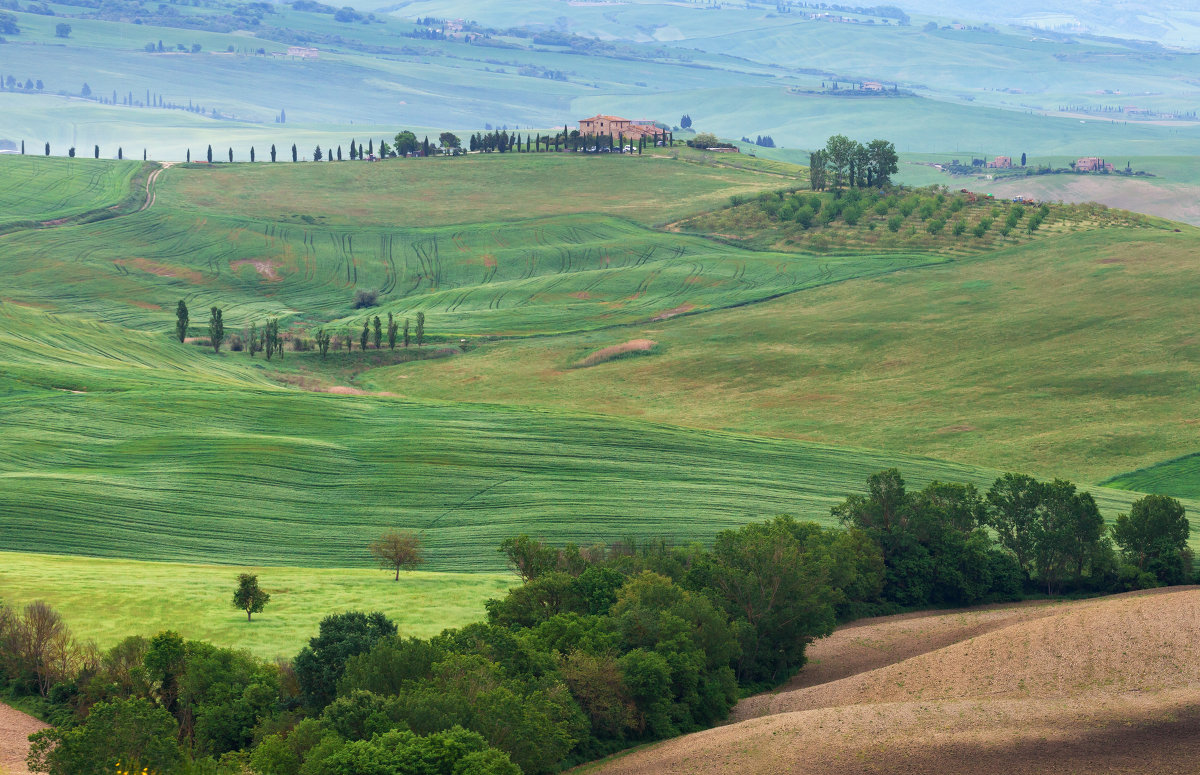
[(616, 126), (1092, 164)]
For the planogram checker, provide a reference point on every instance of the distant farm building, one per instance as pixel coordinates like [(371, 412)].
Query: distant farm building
[(1001, 163), (616, 126), (303, 52), (872, 86), (1092, 164)]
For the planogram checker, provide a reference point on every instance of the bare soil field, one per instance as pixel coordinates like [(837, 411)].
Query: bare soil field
[(15, 729), (1098, 686), (1174, 201)]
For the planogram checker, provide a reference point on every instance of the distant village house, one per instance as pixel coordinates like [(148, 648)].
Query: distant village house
[(303, 52), (1000, 163)]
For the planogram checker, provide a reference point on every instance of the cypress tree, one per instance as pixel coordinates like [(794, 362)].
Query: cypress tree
[(362, 341), (391, 332), (420, 328), (370, 147), (272, 152), (189, 156), (378, 332), (210, 154), (120, 153), (22, 147), (230, 155), (252, 154), (352, 151), (406, 332), (216, 329), (181, 321), (47, 149), (97, 151), (339, 153), (293, 151), (143, 154)]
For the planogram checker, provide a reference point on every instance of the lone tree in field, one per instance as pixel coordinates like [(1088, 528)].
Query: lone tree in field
[(216, 329), (293, 151), (249, 596), (47, 149), (396, 550), (97, 152), (252, 154), (272, 153), (230, 155), (210, 154), (420, 328), (181, 321)]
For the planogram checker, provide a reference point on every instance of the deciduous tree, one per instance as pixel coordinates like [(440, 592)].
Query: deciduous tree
[(396, 550), (1154, 537), (249, 596), (420, 328)]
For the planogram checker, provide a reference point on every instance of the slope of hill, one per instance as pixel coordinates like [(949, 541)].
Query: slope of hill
[(1044, 357), (1104, 686), (37, 189)]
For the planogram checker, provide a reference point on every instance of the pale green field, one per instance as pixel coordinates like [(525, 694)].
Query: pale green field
[(106, 600)]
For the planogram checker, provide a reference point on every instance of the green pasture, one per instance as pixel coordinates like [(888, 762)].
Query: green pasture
[(105, 600), (36, 188), (477, 188), (1073, 356), (1179, 477), (266, 476)]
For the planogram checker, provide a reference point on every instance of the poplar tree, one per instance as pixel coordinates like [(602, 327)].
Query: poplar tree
[(323, 342), (181, 321), (362, 341), (216, 329), (420, 328), (406, 332), (391, 332), (378, 333)]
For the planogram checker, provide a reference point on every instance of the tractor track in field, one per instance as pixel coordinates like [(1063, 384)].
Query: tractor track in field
[(89, 216)]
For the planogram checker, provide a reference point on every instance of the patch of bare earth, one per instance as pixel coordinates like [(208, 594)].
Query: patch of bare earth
[(682, 308), (1099, 686), (266, 269), (161, 270), (15, 729), (616, 351)]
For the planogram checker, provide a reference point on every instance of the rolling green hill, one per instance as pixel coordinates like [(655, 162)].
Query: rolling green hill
[(117, 441), (36, 188)]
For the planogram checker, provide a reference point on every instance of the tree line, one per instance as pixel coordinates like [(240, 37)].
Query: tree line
[(597, 649), (270, 342)]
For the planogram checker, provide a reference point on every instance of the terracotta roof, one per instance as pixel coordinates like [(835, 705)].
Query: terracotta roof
[(605, 118)]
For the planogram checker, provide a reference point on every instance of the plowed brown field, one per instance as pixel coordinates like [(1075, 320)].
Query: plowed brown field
[(1098, 686), (15, 729)]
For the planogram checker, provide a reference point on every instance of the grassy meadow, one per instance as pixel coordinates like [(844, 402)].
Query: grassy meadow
[(106, 600)]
